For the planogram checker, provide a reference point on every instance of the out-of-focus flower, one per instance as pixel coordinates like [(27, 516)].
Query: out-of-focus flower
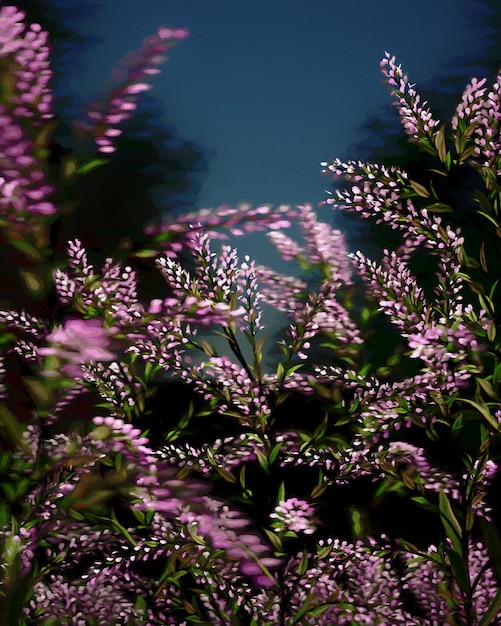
[(121, 104), (78, 342)]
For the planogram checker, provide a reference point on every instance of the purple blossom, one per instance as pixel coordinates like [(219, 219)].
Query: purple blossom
[(416, 119), (174, 235), (27, 45), (78, 342), (294, 515), (121, 103)]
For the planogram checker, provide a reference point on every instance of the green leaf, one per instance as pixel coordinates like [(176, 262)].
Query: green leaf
[(484, 411), (460, 570), (280, 373), (45, 135), (491, 219), (484, 202), (275, 451), (439, 140), (34, 283), (294, 368), (439, 207), (358, 521), (324, 552), (486, 303), (496, 375), (144, 254), (419, 189), (281, 492), (423, 502), (263, 460), (487, 387), (450, 522), (85, 168), (303, 564), (69, 167), (10, 492), (38, 391), (274, 539), (27, 249), (11, 428), (491, 331)]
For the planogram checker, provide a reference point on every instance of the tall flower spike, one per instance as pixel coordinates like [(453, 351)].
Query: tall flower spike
[(488, 131), (173, 235), (31, 74), (139, 66), (416, 119)]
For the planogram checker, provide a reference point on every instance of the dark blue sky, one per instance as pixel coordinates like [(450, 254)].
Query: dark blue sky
[(270, 89)]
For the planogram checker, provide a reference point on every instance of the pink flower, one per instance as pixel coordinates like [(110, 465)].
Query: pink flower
[(78, 342)]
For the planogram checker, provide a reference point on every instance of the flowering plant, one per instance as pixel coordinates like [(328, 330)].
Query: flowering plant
[(161, 472)]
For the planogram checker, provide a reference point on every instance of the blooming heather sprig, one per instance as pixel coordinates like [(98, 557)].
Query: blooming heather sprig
[(377, 192), (221, 290), (488, 129), (23, 185), (25, 96), (24, 322), (250, 297), (29, 94), (396, 289), (321, 314), (174, 235), (317, 312), (341, 583), (282, 292), (325, 247), (114, 383), (164, 343), (468, 111), (439, 595), (227, 454), (294, 515), (430, 335), (119, 106), (232, 389), (417, 121), (111, 294)]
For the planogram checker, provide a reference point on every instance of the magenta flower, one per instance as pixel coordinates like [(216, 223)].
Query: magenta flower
[(122, 101), (78, 342)]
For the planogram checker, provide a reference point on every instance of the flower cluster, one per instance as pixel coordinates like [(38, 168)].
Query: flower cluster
[(416, 119), (174, 235), (295, 515), (31, 73), (122, 102)]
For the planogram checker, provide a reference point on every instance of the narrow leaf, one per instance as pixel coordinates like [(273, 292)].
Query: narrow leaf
[(91, 165), (450, 522), (484, 411), (420, 189), (439, 139)]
